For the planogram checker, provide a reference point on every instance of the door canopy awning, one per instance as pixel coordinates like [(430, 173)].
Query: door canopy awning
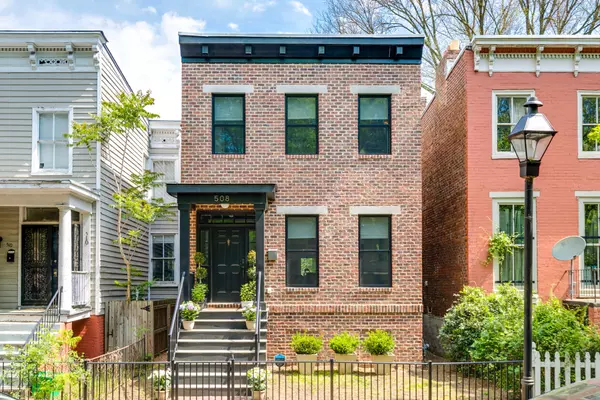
[(222, 193)]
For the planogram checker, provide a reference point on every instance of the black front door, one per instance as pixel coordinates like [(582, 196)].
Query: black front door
[(39, 269), (228, 257)]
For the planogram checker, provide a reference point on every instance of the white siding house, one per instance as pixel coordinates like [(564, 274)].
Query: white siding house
[(56, 224)]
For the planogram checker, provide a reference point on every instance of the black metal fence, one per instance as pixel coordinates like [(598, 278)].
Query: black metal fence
[(326, 380)]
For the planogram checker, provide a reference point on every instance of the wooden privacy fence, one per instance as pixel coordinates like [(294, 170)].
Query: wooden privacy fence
[(555, 371), (129, 322)]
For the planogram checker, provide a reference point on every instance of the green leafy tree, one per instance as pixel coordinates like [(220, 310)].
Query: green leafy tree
[(115, 128)]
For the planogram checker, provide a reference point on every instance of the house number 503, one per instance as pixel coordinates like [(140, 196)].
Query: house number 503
[(222, 199)]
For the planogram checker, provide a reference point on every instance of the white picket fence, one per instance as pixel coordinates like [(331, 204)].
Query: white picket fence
[(547, 370)]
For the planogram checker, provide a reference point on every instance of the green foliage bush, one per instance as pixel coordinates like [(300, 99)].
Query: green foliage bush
[(257, 378), (201, 274), (199, 292), (344, 343), (483, 327), (379, 343), (499, 245), (249, 314), (303, 343), (248, 291)]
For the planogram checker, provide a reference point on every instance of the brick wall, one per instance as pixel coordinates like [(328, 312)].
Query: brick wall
[(337, 178), (91, 331), (445, 190)]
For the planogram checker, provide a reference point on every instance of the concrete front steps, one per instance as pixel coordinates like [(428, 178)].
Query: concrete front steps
[(219, 334)]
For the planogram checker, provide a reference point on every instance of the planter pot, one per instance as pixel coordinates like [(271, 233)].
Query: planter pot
[(251, 325), (345, 360), (247, 304), (259, 394), (306, 368), (383, 369), (187, 325), (161, 395)]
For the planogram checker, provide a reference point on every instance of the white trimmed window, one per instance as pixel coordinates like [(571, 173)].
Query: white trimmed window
[(164, 261), (168, 169), (50, 148), (588, 119), (591, 233), (507, 110), (508, 216)]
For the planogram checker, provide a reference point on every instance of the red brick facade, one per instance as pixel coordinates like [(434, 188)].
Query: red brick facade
[(337, 178), (460, 176), (91, 331)]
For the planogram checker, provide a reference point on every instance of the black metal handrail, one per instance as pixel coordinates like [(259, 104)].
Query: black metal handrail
[(50, 317), (174, 331), (258, 316)]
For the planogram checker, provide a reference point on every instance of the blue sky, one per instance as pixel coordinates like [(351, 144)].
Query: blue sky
[(142, 34)]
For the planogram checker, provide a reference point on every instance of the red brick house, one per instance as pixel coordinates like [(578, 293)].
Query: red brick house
[(471, 183), (307, 149)]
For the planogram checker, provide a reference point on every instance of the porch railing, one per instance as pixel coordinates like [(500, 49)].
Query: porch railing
[(50, 317), (258, 316), (81, 288), (585, 283), (174, 331)]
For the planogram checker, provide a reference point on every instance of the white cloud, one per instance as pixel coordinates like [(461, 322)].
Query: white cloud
[(149, 9), (233, 27), (258, 6), (148, 53), (300, 8)]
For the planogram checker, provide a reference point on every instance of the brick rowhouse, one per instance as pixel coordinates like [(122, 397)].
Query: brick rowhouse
[(336, 179), (465, 180)]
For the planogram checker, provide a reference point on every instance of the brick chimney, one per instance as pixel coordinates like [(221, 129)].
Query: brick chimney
[(447, 61)]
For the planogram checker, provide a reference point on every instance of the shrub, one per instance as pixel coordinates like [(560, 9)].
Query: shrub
[(379, 343), (199, 292), (303, 343), (201, 274), (257, 378), (161, 379), (249, 314), (484, 327), (248, 291), (199, 258), (251, 258), (189, 311), (344, 343), (251, 273)]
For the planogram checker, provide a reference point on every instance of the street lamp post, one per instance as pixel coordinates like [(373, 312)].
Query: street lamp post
[(530, 139)]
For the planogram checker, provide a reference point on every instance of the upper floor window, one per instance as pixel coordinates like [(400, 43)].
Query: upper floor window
[(589, 119), (168, 171), (302, 251), (229, 124), (51, 151), (375, 248), (374, 123), (508, 109), (301, 124)]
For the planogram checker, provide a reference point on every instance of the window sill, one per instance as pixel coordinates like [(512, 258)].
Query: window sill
[(51, 173), (302, 156), (376, 156), (504, 156), (375, 289), (228, 155), (302, 289), (164, 284), (588, 155)]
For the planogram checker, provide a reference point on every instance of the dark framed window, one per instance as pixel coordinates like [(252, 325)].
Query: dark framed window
[(302, 251), (374, 124), (301, 124), (375, 248), (163, 258), (229, 124)]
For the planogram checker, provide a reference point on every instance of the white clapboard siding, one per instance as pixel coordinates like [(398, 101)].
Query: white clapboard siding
[(111, 262), (551, 372), (20, 93)]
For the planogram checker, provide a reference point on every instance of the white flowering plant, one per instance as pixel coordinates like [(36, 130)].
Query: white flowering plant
[(189, 311), (161, 379)]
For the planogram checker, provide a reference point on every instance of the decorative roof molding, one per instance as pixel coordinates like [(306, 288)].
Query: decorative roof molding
[(477, 57), (32, 55), (70, 55), (491, 60), (96, 56), (577, 60), (538, 60)]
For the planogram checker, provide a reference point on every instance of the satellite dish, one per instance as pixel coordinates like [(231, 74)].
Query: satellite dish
[(568, 248)]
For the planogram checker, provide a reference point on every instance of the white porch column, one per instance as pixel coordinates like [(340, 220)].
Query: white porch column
[(64, 258)]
